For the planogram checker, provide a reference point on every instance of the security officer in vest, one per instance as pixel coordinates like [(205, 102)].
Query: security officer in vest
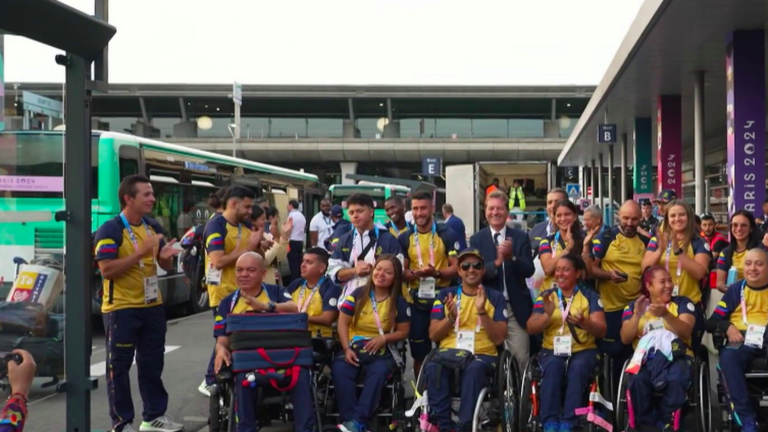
[(430, 250), (517, 200), (128, 250), (464, 318)]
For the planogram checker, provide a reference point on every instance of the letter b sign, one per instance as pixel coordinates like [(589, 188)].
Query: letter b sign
[(606, 133)]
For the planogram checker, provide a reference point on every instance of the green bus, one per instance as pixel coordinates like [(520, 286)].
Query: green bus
[(32, 185), (379, 192)]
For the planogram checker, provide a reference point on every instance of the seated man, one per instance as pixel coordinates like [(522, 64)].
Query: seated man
[(316, 294), (741, 317), (253, 295), (471, 318)]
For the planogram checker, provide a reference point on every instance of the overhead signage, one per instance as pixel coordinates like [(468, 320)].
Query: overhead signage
[(432, 166), (669, 118), (42, 105), (606, 133), (573, 190), (584, 204), (643, 153)]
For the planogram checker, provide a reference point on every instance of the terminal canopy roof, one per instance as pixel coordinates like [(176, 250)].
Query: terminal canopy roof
[(668, 42)]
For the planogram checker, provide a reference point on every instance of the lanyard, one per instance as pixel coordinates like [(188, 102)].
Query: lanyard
[(303, 306), (565, 306), (375, 307), (679, 265), (431, 246), (556, 245), (743, 303), (236, 297), (458, 314), (134, 240), (356, 252)]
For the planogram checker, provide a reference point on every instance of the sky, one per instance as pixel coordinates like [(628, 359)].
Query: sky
[(358, 42)]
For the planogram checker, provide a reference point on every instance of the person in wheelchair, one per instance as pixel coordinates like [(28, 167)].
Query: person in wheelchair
[(254, 296), (570, 318), (656, 309), (372, 319), (464, 318), (741, 316), (316, 294)]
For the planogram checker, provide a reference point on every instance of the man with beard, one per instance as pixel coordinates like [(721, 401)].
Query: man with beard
[(395, 209), (544, 229), (321, 225), (617, 256), (717, 242), (429, 251)]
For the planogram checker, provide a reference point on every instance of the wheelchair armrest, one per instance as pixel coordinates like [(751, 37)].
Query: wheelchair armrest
[(225, 374), (19, 261)]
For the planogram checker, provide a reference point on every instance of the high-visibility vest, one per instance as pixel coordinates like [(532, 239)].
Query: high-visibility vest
[(515, 193)]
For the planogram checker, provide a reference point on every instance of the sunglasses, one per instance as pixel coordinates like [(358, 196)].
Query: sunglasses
[(476, 265)]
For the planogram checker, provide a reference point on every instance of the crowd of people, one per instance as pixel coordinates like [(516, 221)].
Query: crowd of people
[(603, 289)]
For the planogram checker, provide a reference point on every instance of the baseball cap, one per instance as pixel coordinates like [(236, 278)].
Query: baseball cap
[(707, 216), (337, 211), (466, 253), (666, 195)]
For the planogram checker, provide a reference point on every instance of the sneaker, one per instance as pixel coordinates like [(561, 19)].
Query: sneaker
[(205, 389), (350, 426), (551, 427), (161, 424), (127, 428)]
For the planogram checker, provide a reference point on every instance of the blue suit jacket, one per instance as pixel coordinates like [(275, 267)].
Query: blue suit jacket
[(515, 271), (457, 225)]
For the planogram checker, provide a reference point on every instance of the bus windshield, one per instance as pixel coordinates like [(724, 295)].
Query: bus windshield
[(339, 195), (33, 162)]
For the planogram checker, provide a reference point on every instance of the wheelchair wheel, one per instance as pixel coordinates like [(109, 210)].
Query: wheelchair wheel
[(507, 383), (702, 395), (527, 418), (621, 412), (222, 408)]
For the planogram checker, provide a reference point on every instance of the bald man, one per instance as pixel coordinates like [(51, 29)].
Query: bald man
[(253, 295), (617, 256)]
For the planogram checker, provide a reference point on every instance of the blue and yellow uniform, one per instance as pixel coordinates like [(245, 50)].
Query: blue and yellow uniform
[(734, 361), (444, 245), (678, 372), (392, 228), (581, 363), (553, 245), (687, 285), (736, 260), (477, 374), (321, 298), (375, 366), (301, 394), (625, 255), (221, 235), (133, 322)]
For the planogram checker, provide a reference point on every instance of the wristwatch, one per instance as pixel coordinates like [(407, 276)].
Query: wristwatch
[(271, 306), (679, 251)]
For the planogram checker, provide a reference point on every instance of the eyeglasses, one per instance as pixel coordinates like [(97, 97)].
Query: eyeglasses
[(477, 265)]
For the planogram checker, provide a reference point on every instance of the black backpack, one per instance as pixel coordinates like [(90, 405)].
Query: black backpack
[(192, 255)]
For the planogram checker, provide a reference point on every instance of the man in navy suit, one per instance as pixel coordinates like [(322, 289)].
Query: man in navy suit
[(456, 224), (508, 261)]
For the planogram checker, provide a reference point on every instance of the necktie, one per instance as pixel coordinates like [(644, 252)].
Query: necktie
[(496, 238)]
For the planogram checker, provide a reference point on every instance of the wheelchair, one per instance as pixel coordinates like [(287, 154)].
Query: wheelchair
[(530, 403), (698, 399), (391, 410), (757, 384), (497, 406), (222, 400)]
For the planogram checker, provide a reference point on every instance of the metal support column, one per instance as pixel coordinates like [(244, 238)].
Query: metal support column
[(698, 143), (624, 168), (390, 115), (599, 191), (77, 266), (609, 207)]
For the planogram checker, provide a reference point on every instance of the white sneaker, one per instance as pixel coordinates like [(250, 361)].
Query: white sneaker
[(127, 428), (205, 389), (161, 424)]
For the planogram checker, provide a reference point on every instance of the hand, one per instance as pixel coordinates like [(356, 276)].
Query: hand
[(351, 357), (480, 300), (20, 375), (256, 305), (150, 244), (576, 318), (428, 271), (362, 268), (506, 249), (223, 358), (662, 241), (641, 305), (617, 278), (254, 240), (658, 310), (169, 251), (734, 335), (266, 245), (287, 225), (549, 305), (591, 235), (374, 345), (568, 237), (765, 241), (274, 228), (451, 311)]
